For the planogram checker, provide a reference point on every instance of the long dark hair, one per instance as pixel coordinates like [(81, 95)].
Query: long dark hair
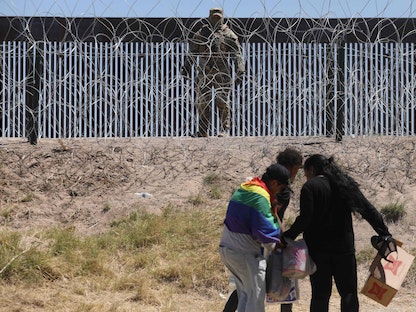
[(347, 194), (345, 189)]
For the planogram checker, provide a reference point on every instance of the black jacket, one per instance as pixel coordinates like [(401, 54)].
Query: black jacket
[(326, 222)]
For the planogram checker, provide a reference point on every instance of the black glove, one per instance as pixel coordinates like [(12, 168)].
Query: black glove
[(385, 245)]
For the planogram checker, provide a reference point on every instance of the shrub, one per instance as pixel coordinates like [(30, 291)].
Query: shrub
[(393, 212)]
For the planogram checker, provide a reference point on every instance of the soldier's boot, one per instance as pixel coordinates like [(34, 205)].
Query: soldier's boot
[(224, 111)]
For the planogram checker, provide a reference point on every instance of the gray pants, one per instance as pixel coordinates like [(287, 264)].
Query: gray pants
[(250, 274)]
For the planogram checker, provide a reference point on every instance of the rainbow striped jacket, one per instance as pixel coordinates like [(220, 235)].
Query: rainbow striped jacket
[(249, 212)]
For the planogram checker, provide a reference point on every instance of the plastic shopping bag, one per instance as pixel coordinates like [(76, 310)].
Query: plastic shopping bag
[(291, 297), (296, 260), (277, 286)]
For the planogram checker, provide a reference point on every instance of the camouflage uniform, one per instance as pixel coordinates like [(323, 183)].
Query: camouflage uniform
[(218, 49)]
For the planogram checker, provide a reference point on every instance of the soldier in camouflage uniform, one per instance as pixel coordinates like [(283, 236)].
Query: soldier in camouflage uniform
[(218, 49)]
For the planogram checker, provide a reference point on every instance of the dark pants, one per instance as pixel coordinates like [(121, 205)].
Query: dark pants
[(344, 270), (232, 303)]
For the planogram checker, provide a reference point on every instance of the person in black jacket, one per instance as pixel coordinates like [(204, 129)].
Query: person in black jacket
[(292, 160), (327, 201)]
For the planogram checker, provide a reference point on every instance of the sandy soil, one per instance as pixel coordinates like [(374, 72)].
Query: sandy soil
[(70, 182)]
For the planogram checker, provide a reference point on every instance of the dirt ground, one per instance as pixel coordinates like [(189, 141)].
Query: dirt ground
[(70, 182)]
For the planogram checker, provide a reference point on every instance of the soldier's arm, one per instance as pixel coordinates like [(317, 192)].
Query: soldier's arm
[(236, 52)]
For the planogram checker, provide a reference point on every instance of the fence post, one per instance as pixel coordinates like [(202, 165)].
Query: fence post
[(337, 114), (330, 92), (340, 90), (33, 61)]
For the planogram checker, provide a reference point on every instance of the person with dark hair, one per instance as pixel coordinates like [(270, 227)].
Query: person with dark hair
[(291, 159), (250, 227), (328, 199)]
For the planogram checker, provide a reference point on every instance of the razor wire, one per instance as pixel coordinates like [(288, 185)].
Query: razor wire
[(66, 77)]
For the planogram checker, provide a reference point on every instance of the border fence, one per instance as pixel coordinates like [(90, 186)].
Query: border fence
[(95, 81)]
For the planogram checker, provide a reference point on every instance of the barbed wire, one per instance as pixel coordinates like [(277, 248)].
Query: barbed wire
[(299, 70)]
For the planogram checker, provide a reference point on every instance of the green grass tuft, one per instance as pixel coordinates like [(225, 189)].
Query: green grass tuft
[(393, 212)]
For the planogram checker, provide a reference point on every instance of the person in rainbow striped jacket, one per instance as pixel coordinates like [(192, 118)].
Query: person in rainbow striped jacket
[(250, 226)]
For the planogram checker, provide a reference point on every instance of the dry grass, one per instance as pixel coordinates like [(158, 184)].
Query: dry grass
[(75, 238)]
